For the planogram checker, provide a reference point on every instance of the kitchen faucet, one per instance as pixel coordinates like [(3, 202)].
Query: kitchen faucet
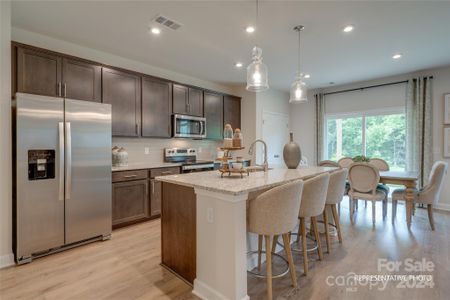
[(250, 152)]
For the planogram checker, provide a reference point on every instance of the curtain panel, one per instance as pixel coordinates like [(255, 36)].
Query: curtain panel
[(419, 137), (320, 123)]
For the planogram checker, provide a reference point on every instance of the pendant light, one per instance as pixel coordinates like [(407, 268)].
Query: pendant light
[(257, 74), (298, 87)]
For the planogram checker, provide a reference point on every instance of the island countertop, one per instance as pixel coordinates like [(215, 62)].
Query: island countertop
[(235, 185)]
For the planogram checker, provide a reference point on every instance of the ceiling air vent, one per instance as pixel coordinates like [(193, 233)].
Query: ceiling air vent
[(160, 19)]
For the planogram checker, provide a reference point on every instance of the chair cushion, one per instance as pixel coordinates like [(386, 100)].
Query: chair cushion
[(383, 188), (399, 194), (378, 196)]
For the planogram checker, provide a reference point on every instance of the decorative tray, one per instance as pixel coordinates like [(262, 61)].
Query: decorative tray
[(231, 172)]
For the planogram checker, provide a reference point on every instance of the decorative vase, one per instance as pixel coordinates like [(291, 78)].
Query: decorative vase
[(292, 153)]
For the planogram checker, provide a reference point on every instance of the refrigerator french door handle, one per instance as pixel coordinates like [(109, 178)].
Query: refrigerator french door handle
[(61, 161), (68, 161)]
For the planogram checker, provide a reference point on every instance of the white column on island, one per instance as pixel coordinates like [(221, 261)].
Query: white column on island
[(221, 246)]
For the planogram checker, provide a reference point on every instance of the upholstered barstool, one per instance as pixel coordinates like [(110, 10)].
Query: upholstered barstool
[(428, 195), (335, 193), (275, 212), (364, 179), (312, 205)]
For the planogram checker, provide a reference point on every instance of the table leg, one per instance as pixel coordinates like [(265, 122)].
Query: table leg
[(221, 246)]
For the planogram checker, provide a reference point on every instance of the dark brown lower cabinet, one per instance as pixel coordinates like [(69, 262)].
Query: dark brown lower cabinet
[(136, 195), (130, 202), (155, 198), (178, 230)]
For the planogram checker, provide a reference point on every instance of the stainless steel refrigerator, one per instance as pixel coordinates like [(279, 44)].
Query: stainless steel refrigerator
[(62, 174)]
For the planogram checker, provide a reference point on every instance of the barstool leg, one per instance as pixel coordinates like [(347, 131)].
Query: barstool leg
[(430, 215), (287, 248), (316, 234), (269, 268), (274, 245), (337, 222), (325, 221), (302, 229), (260, 239)]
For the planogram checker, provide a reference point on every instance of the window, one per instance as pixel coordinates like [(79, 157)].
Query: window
[(380, 134)]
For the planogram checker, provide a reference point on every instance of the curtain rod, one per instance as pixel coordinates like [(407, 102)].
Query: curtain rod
[(369, 87)]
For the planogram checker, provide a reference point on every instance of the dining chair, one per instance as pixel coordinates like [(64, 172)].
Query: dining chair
[(382, 166), (345, 162), (275, 212), (427, 195), (335, 193), (364, 178), (328, 163), (312, 205)]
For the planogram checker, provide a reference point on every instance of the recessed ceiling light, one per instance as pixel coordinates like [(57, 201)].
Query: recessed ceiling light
[(250, 29), (238, 65), (156, 30), (348, 28), (397, 56), (307, 76)]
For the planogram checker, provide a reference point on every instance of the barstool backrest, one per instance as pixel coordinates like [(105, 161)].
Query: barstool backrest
[(328, 163), (381, 164), (275, 211), (363, 177), (345, 162), (314, 196), (336, 187)]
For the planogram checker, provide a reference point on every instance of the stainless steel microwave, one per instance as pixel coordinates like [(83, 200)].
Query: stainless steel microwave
[(189, 126)]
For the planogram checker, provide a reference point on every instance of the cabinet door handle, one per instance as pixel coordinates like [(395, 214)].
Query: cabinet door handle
[(153, 187), (65, 90), (129, 176), (59, 89), (166, 172)]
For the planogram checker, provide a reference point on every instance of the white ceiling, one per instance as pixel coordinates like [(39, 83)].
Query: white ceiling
[(213, 37)]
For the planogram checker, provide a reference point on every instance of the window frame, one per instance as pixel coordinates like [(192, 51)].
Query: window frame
[(357, 114)]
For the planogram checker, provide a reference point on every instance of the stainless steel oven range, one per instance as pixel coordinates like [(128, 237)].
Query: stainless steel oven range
[(188, 159)]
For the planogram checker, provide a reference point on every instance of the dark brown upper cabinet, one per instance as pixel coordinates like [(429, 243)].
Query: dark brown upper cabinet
[(232, 111), (156, 107), (213, 112), (195, 102), (180, 99), (123, 91), (38, 72), (81, 80), (187, 101)]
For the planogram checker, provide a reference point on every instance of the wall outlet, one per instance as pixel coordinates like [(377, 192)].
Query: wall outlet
[(210, 215), (147, 150)]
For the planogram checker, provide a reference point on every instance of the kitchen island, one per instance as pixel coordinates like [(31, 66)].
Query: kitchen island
[(204, 236)]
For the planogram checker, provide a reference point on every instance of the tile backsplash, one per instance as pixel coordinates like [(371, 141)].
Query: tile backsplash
[(136, 147)]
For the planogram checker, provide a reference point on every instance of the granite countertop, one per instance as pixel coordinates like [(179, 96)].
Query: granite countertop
[(145, 165), (236, 185)]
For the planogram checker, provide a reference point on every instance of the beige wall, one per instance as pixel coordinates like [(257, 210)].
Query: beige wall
[(6, 257), (303, 117)]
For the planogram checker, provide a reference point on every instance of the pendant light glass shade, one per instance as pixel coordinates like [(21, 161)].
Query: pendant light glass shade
[(257, 74), (298, 91), (298, 88)]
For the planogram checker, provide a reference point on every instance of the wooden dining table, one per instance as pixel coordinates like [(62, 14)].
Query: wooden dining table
[(409, 180)]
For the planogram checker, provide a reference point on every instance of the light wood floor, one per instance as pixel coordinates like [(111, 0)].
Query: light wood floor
[(127, 266)]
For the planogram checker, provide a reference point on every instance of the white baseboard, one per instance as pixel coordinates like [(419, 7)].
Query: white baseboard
[(6, 260), (204, 291), (442, 206)]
